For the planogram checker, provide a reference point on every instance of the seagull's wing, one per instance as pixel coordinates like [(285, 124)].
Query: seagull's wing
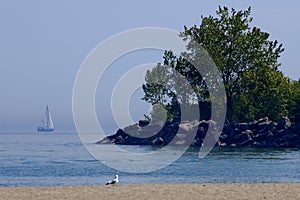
[(114, 181)]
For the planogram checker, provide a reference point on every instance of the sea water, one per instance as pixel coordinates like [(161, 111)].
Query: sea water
[(54, 159)]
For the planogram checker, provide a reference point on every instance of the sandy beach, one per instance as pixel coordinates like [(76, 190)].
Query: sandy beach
[(149, 191)]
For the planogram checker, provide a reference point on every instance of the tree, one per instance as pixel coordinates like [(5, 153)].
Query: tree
[(263, 92), (159, 113), (157, 91), (294, 102), (168, 90), (246, 59), (156, 80), (236, 49)]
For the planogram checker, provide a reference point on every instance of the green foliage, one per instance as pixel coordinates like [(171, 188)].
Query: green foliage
[(159, 114), (168, 86), (263, 92), (247, 60), (294, 102), (238, 49), (156, 79)]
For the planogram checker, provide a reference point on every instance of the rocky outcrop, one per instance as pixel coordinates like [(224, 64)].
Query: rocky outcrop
[(261, 133), (258, 133)]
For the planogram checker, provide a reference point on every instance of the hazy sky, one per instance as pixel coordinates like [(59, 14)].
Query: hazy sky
[(43, 43)]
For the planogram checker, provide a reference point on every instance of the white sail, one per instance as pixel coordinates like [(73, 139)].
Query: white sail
[(49, 122)]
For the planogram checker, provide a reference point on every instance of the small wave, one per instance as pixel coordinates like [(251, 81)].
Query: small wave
[(57, 162), (85, 161), (72, 144), (28, 162)]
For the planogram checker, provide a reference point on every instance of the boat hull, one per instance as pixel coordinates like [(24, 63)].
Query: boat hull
[(44, 129)]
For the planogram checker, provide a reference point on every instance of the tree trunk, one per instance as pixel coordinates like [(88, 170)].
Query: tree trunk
[(229, 111)]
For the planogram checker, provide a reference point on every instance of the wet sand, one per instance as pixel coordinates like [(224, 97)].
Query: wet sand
[(156, 191)]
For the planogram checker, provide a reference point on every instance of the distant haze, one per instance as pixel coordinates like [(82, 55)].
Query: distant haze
[(43, 44)]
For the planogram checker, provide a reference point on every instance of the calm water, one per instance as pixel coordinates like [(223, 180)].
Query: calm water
[(34, 159)]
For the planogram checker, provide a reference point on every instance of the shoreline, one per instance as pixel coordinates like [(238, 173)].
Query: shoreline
[(157, 191)]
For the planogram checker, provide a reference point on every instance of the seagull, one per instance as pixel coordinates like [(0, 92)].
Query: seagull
[(114, 181)]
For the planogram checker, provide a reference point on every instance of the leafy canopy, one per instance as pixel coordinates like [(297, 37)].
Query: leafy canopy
[(246, 58)]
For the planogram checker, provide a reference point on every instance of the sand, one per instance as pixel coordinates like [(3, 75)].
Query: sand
[(164, 191)]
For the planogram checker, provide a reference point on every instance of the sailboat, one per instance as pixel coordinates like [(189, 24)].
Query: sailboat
[(47, 122)]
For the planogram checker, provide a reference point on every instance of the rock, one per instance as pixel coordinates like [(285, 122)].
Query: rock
[(263, 120), (204, 124), (242, 126), (261, 126), (223, 136), (260, 133), (271, 142), (243, 139), (222, 144), (284, 144), (197, 142), (105, 140), (284, 123), (249, 132), (253, 125), (159, 141), (296, 128), (280, 133), (180, 139), (234, 132), (272, 127), (149, 130), (231, 135), (120, 140), (143, 122), (132, 130), (185, 126), (290, 137), (295, 143), (259, 144), (201, 131)]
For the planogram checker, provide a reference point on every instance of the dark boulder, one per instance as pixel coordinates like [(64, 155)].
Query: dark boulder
[(132, 130), (262, 135), (158, 141), (263, 120), (253, 125), (243, 139), (242, 126), (143, 122), (284, 123)]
